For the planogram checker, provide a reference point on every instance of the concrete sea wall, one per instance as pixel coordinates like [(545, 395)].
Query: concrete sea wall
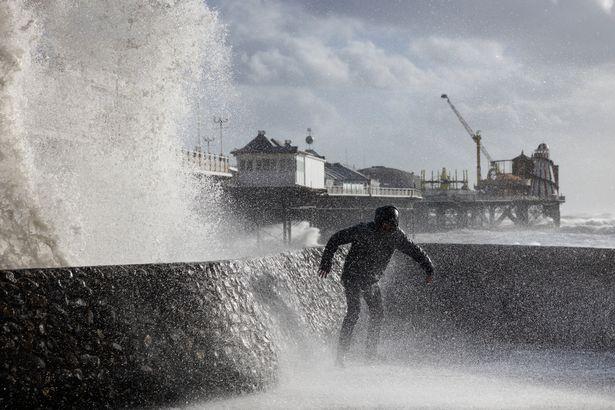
[(554, 296), (156, 334)]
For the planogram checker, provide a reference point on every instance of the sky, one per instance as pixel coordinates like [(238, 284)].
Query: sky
[(367, 76)]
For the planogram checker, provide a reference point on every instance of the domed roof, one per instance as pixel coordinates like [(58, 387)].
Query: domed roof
[(542, 151), (543, 147)]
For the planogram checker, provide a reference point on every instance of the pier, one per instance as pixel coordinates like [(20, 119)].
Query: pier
[(279, 184), (206, 163), (276, 183)]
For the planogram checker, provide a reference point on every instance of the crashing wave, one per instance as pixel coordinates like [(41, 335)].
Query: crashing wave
[(93, 99), (601, 224)]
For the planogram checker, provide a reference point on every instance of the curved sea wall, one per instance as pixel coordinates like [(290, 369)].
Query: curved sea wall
[(153, 334), (556, 296)]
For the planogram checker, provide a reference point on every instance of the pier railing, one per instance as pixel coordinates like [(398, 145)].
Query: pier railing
[(374, 191), (209, 163)]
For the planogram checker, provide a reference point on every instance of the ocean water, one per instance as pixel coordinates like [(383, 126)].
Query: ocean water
[(584, 230)]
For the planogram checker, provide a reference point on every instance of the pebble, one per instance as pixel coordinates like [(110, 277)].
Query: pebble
[(10, 276)]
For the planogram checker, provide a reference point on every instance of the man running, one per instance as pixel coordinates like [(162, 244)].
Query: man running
[(372, 245)]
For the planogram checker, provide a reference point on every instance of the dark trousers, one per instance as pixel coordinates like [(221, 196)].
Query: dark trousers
[(372, 296)]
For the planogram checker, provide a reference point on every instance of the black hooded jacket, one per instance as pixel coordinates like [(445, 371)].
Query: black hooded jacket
[(370, 252)]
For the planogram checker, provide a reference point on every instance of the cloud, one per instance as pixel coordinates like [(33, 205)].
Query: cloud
[(470, 52), (278, 43), (367, 79), (571, 32), (285, 45), (606, 5), (372, 66), (299, 62)]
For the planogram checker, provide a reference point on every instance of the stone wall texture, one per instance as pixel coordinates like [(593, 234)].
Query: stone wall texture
[(160, 334), (553, 296), (139, 335)]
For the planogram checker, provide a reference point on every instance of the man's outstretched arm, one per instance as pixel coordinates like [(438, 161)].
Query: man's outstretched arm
[(417, 253), (337, 239)]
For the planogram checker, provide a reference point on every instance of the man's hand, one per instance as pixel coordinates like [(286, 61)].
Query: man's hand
[(428, 279), (322, 273)]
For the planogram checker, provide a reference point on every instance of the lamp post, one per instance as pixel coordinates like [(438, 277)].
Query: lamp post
[(208, 140), (220, 121)]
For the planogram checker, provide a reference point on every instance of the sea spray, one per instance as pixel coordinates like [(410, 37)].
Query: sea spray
[(25, 238), (94, 98)]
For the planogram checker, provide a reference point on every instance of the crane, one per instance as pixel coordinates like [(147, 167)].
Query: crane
[(475, 136)]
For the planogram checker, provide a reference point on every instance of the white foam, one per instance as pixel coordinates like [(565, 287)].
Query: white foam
[(394, 386), (96, 94), (576, 230)]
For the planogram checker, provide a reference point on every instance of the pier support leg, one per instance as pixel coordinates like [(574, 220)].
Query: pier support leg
[(286, 223), (553, 212), (522, 214), (286, 230), (462, 217), (421, 218), (258, 234), (506, 213), (476, 217), (440, 218), (482, 217)]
